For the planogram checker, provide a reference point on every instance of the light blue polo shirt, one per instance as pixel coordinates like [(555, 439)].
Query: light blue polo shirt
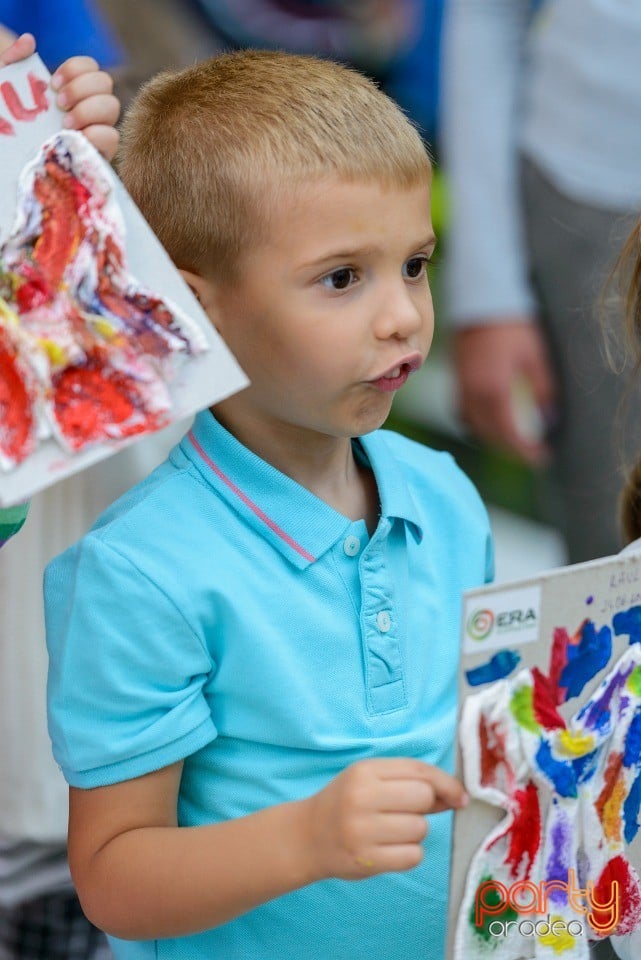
[(221, 613)]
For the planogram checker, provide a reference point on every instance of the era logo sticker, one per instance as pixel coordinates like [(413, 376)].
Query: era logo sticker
[(501, 619)]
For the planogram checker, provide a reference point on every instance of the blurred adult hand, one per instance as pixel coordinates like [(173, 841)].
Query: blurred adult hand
[(492, 361)]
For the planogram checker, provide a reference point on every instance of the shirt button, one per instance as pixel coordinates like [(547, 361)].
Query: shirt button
[(383, 621), (351, 546)]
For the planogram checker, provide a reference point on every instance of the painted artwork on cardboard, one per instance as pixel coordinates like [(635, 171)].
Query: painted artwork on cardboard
[(546, 857), (100, 339)]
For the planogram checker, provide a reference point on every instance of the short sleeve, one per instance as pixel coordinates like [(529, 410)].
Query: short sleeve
[(127, 673)]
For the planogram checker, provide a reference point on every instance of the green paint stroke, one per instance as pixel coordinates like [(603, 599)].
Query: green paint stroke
[(493, 899), (634, 681), (522, 709)]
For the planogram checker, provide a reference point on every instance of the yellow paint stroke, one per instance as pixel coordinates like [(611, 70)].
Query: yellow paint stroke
[(560, 942), (8, 314), (56, 353), (104, 327), (575, 744), (612, 811), (634, 681)]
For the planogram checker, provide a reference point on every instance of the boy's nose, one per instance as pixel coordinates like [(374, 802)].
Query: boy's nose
[(402, 313)]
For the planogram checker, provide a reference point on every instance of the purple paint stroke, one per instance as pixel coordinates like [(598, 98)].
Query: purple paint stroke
[(595, 715), (558, 860)]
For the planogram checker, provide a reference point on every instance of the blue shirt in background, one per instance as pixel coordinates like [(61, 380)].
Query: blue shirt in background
[(62, 29)]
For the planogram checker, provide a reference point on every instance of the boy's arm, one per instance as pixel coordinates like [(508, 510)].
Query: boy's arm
[(140, 876)]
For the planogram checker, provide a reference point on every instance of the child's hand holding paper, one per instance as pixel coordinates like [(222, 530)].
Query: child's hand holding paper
[(82, 89)]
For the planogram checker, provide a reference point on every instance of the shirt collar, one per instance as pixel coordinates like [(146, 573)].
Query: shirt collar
[(393, 489), (299, 524)]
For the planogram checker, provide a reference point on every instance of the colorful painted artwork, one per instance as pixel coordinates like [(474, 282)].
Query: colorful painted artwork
[(550, 750), (86, 352), (101, 341)]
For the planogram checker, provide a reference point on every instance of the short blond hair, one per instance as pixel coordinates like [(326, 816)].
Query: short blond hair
[(207, 151)]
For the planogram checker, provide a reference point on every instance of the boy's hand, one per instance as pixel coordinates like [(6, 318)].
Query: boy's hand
[(81, 89), (85, 93), (371, 818)]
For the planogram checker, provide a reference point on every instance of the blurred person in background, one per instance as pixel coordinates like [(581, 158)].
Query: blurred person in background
[(541, 131), (394, 41)]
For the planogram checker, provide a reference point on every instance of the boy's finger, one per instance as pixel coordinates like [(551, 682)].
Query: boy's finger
[(72, 68), (20, 49), (448, 791), (408, 796), (101, 109), (104, 138), (91, 84)]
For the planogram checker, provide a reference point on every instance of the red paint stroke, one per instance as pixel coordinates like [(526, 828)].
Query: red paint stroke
[(17, 428), (558, 660), (15, 105), (523, 831), (34, 292), (493, 756), (618, 869), (6, 129), (63, 199), (94, 402), (544, 702)]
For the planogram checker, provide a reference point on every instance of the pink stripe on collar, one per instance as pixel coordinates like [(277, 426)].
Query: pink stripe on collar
[(249, 503)]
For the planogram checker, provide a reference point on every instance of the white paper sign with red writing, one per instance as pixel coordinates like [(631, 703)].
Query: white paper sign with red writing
[(101, 341)]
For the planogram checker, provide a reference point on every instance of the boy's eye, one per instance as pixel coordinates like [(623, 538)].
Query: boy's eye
[(339, 279), (414, 267)]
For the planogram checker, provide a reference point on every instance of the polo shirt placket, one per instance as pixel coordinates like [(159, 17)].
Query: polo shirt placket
[(380, 626), (364, 570)]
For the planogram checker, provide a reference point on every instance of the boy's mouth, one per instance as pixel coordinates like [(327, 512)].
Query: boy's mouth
[(395, 377)]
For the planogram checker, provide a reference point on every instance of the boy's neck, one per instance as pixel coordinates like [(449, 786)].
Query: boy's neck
[(324, 465)]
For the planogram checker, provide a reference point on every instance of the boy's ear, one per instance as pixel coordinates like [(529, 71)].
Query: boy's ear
[(198, 286), (204, 292)]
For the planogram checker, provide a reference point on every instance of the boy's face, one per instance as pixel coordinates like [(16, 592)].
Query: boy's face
[(333, 313)]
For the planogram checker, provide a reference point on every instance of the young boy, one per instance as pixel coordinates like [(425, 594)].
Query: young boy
[(253, 653)]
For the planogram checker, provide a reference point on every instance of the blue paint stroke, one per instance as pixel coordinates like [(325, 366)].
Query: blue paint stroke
[(559, 773), (499, 666), (632, 748), (631, 808), (585, 767), (628, 622), (586, 658)]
